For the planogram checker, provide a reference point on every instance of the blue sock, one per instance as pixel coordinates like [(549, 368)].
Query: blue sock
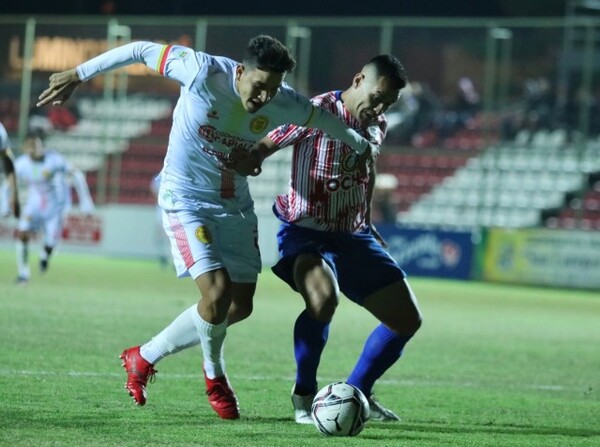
[(382, 349), (310, 336)]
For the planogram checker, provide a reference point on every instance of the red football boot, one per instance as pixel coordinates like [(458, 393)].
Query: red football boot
[(221, 397), (139, 371)]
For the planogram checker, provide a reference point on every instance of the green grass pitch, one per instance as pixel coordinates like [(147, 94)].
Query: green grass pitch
[(493, 365)]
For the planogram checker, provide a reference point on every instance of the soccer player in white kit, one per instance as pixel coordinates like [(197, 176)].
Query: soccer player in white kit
[(47, 176), (327, 242), (9, 171), (208, 212)]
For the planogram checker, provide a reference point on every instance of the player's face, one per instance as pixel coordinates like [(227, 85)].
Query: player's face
[(34, 147), (372, 97), (256, 87)]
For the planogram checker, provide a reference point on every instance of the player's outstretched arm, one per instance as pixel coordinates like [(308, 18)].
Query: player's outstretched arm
[(86, 204), (157, 56), (338, 129), (62, 85)]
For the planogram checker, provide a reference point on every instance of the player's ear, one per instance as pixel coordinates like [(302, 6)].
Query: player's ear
[(239, 69), (358, 78)]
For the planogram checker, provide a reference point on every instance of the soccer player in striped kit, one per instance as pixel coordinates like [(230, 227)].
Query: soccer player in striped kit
[(208, 213), (327, 242)]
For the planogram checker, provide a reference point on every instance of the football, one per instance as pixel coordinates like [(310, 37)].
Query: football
[(340, 409)]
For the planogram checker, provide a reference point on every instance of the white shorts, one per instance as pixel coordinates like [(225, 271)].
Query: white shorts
[(202, 242), (37, 215)]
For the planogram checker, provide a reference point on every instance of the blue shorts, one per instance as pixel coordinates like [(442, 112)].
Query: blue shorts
[(359, 262)]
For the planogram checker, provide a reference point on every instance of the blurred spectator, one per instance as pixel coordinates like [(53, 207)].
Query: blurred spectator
[(62, 117), (415, 114), (463, 108), (39, 121)]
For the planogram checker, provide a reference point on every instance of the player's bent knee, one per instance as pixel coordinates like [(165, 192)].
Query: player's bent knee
[(409, 323), (237, 315), (240, 312), (414, 323), (323, 310)]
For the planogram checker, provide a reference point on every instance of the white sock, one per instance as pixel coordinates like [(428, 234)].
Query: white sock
[(212, 338), (43, 254), (178, 335), (22, 259)]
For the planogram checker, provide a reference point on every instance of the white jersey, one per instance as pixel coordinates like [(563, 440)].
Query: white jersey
[(209, 121), (45, 180), (4, 140)]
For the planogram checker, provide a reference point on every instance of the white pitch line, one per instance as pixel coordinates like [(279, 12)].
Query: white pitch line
[(170, 376)]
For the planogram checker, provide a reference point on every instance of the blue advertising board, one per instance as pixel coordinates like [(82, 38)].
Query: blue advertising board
[(439, 254)]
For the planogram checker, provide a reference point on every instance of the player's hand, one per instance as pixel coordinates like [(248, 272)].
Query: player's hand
[(373, 150), (377, 236), (244, 162), (62, 86)]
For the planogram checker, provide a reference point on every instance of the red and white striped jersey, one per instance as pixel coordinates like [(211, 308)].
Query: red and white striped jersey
[(327, 190)]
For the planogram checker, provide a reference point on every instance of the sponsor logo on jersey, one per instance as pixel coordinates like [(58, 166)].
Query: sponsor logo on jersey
[(259, 124), (344, 182), (213, 135), (203, 235), (349, 161)]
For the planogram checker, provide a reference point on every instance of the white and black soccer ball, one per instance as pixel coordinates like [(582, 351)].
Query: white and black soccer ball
[(340, 409)]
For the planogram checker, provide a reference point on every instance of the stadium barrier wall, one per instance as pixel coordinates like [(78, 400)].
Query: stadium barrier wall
[(527, 256), (433, 253), (129, 231), (542, 257)]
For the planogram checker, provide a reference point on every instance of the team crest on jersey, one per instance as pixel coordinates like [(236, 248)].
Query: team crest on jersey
[(203, 235), (349, 161), (259, 124)]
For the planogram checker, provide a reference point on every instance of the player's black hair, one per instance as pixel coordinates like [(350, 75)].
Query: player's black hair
[(269, 54), (390, 67), (35, 133)]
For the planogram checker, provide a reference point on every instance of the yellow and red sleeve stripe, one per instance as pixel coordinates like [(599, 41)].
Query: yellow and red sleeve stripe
[(162, 59)]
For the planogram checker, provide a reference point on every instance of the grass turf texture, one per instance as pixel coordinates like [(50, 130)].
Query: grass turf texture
[(493, 365)]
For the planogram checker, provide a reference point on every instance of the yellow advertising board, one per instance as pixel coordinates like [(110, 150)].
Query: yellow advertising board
[(543, 257)]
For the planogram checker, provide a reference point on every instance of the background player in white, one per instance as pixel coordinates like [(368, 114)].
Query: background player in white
[(326, 239), (11, 191), (208, 212), (47, 177)]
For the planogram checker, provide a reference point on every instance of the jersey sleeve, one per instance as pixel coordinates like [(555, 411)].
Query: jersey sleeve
[(319, 118), (86, 204), (172, 61), (288, 134), (337, 129)]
